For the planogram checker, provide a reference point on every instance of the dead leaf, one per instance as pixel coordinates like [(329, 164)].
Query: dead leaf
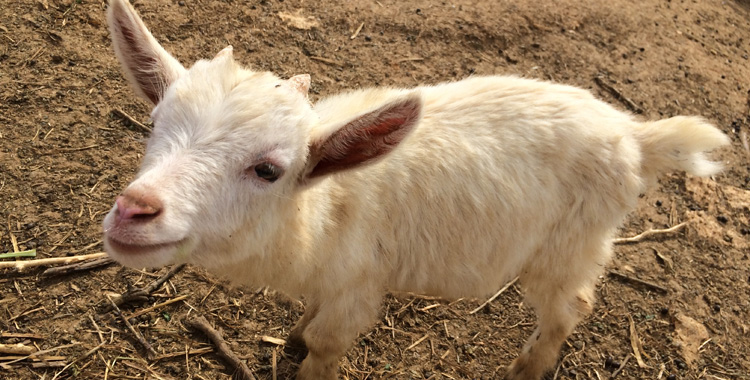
[(690, 335), (635, 343), (272, 340), (298, 20)]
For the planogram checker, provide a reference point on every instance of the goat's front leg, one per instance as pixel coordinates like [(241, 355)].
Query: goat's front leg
[(331, 330)]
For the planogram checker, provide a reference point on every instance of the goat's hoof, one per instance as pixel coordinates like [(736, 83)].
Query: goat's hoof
[(295, 348), (317, 370), (524, 368)]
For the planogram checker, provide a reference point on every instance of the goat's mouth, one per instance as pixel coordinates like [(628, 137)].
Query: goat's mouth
[(146, 255), (124, 248)]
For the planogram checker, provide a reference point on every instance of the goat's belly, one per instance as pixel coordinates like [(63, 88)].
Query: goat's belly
[(456, 273)]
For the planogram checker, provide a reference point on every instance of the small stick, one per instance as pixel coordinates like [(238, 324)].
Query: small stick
[(151, 353), (140, 293), (410, 59), (635, 343), (272, 340), (420, 340), (152, 308), (201, 324), (132, 120), (78, 267), (618, 95), (20, 335), (638, 281), (618, 370), (499, 292), (16, 349), (98, 330), (273, 365), (40, 353), (53, 364), (199, 351), (325, 60), (27, 312), (643, 235), (356, 33), (71, 150), (21, 265)]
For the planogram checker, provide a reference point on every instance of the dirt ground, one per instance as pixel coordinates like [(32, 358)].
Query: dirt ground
[(65, 153)]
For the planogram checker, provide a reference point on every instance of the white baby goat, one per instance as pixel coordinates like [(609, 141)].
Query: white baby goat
[(448, 190)]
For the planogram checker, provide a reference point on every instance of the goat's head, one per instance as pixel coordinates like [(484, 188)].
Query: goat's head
[(229, 148)]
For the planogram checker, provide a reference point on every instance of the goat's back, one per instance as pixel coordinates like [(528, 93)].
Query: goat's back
[(502, 172)]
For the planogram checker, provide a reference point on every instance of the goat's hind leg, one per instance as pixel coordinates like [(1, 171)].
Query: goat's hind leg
[(561, 298), (295, 343)]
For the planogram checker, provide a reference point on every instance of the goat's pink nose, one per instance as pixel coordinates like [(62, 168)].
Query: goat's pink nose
[(137, 205)]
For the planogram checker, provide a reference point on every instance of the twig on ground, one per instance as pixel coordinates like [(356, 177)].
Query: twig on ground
[(141, 293), (326, 60), (152, 308), (70, 150), (98, 330), (635, 343), (618, 95), (78, 267), (150, 350), (618, 370), (410, 59), (499, 292), (199, 351), (420, 340), (16, 349), (144, 369), (272, 340), (84, 356), (273, 365), (201, 324), (33, 309), (643, 235), (21, 335), (48, 364), (23, 264), (638, 281), (356, 32), (132, 120), (40, 353)]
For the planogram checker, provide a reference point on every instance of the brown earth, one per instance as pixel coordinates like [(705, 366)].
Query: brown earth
[(64, 156)]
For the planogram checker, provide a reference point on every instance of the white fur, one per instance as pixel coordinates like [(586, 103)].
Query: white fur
[(499, 177)]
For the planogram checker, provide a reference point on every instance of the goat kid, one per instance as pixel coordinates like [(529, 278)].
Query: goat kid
[(448, 190)]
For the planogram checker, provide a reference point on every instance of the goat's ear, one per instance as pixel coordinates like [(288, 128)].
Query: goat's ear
[(300, 83), (147, 66), (365, 138), (226, 53)]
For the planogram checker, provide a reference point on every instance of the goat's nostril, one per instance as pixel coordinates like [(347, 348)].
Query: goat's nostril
[(138, 206)]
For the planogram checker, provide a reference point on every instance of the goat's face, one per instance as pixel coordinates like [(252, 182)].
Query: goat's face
[(227, 149)]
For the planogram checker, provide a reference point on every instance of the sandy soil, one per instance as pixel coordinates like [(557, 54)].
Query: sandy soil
[(65, 153)]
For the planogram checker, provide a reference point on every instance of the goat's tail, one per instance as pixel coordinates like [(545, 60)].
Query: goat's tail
[(679, 143)]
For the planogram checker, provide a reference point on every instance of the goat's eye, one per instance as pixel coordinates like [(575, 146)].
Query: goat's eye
[(268, 171)]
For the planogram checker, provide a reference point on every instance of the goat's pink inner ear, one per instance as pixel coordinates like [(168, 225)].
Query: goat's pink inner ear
[(366, 138), (148, 67), (300, 83)]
